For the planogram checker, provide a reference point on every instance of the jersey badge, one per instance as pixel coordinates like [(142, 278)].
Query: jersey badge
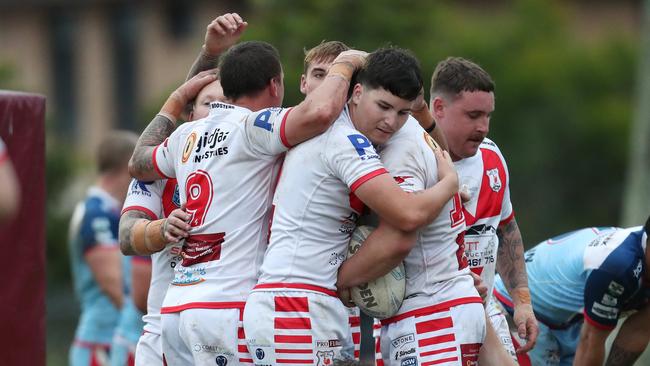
[(189, 146), (495, 180), (176, 198), (401, 179)]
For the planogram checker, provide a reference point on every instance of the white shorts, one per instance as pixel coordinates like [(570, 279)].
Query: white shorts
[(204, 337), (297, 327), (497, 316), (149, 350), (434, 336)]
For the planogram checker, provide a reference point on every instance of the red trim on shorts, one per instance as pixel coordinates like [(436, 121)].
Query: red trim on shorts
[(597, 324), (283, 133), (507, 219), (203, 305), (291, 323), (434, 325), (522, 358), (501, 297), (286, 303), (292, 338), (445, 338), (292, 350), (355, 321), (443, 306), (444, 360), (155, 163), (142, 209), (437, 351), (357, 183), (296, 286)]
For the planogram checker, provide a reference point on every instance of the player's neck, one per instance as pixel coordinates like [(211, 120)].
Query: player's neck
[(254, 103)]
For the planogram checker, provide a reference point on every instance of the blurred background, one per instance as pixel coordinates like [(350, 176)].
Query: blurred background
[(572, 91)]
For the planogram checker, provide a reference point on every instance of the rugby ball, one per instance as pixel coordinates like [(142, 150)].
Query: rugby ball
[(382, 297)]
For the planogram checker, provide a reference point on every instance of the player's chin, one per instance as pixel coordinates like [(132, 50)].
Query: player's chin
[(379, 137)]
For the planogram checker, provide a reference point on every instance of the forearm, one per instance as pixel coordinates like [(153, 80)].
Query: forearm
[(591, 347), (428, 204), (204, 61), (382, 251), (510, 259), (127, 221), (141, 165)]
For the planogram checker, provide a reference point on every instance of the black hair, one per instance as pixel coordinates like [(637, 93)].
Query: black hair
[(247, 68), (393, 69)]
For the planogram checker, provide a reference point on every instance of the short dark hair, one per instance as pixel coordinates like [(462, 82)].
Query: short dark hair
[(393, 69), (247, 68), (456, 74), (115, 150), (324, 51), (646, 227)]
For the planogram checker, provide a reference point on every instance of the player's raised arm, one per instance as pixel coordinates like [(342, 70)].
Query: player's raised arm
[(141, 165), (424, 117), (323, 105), (223, 32)]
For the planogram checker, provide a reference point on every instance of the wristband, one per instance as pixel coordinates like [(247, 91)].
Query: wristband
[(343, 69), (148, 237), (521, 295)]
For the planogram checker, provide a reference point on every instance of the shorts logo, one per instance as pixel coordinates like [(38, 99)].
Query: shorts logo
[(332, 343), (325, 358), (259, 353), (615, 288), (189, 146), (495, 180), (221, 361), (409, 361), (399, 342)]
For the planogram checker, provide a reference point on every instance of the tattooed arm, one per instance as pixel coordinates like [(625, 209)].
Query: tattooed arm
[(163, 124), (127, 221), (631, 340), (512, 269)]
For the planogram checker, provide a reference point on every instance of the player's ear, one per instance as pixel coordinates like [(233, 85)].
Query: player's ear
[(357, 92), (303, 84), (275, 85), (437, 106)]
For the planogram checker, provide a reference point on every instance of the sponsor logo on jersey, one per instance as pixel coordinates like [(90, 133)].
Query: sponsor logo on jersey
[(349, 223), (215, 105), (399, 342), (494, 179), (189, 146), (601, 240), (409, 361), (176, 197), (211, 348), (402, 180), (363, 147), (206, 147), (188, 276), (615, 288), (325, 358), (605, 312), (336, 258), (140, 188)]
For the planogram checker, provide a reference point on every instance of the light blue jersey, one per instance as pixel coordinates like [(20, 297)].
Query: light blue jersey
[(129, 328), (595, 272), (94, 226)]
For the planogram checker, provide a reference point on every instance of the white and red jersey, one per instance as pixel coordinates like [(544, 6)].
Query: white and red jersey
[(316, 208), (224, 165), (157, 199), (436, 268), (486, 176)]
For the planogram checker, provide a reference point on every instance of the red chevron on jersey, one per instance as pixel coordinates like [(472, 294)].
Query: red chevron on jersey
[(490, 198)]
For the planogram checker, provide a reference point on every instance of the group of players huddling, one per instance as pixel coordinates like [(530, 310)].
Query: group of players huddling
[(247, 212)]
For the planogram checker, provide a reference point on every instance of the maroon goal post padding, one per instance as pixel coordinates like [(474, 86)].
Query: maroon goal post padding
[(22, 239)]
